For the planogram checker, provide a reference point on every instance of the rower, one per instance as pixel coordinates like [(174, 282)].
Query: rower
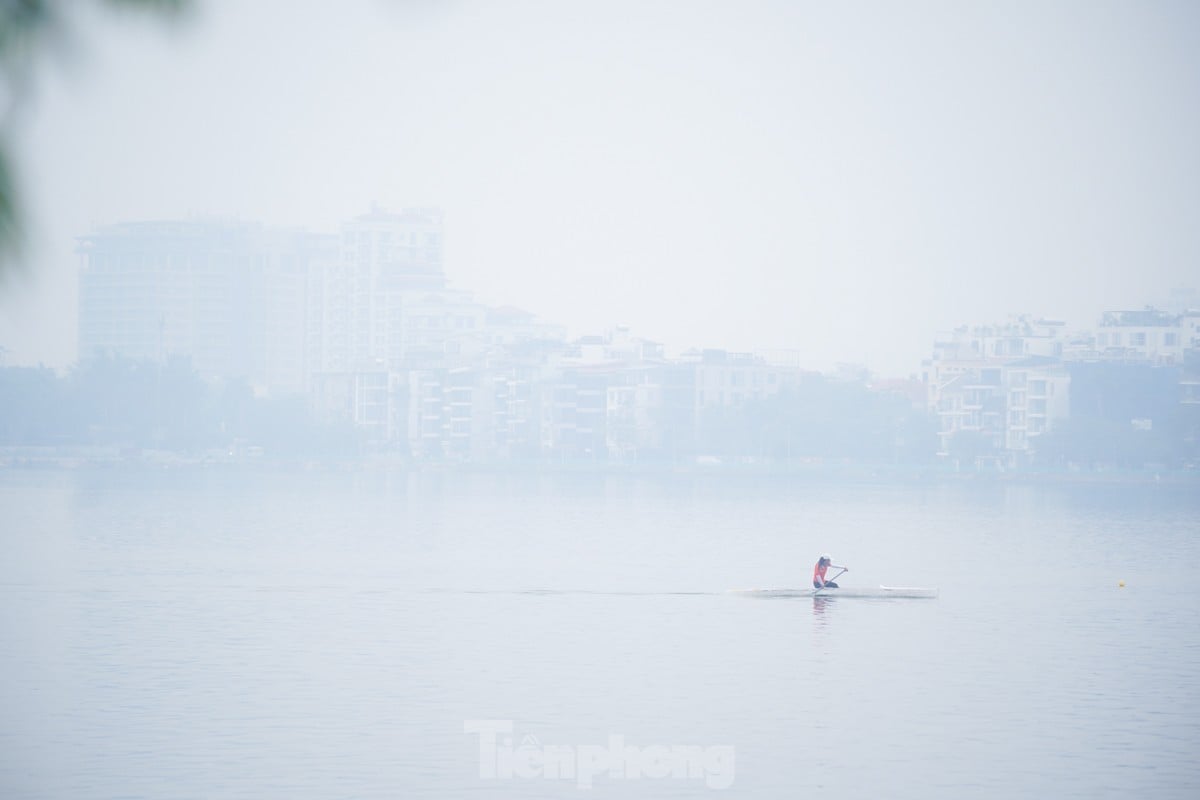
[(823, 564)]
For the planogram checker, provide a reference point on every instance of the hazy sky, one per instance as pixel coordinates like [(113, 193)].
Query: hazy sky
[(843, 179)]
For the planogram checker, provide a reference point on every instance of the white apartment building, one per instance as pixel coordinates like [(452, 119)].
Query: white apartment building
[(657, 406), (584, 398), (729, 380), (384, 259), (1148, 336), (432, 328), (1003, 383), (475, 387), (365, 397), (489, 409), (634, 409), (384, 312)]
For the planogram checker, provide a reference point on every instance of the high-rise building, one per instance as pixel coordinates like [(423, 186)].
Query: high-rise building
[(383, 310), (230, 297), (386, 261)]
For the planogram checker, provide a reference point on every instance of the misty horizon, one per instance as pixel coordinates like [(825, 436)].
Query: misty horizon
[(446, 398), (842, 183), (1178, 300)]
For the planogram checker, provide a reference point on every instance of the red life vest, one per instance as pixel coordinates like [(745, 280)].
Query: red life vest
[(819, 571)]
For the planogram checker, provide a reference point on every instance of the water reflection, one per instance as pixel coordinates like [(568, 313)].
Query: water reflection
[(820, 608)]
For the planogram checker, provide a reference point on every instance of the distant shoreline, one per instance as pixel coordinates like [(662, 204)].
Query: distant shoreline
[(88, 459)]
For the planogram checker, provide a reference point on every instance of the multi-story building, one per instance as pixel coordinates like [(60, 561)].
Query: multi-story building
[(634, 413), (230, 297), (291, 262), (1002, 386), (385, 262), (658, 407), (997, 389), (1148, 336), (385, 311), (730, 380), (591, 399), (477, 393)]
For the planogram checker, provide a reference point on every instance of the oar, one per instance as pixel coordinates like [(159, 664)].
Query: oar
[(834, 578)]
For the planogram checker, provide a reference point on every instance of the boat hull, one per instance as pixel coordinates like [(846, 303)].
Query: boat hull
[(914, 592)]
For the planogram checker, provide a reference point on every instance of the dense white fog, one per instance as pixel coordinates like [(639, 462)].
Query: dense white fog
[(503, 398), (842, 180)]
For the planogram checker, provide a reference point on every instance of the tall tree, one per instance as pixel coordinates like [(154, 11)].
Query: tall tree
[(27, 28)]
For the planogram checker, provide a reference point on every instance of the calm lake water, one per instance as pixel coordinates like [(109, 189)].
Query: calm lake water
[(327, 635)]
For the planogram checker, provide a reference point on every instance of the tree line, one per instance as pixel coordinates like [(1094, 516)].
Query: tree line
[(1118, 418), (121, 402)]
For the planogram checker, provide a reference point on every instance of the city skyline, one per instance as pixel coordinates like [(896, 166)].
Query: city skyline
[(841, 183), (328, 254), (363, 327)]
